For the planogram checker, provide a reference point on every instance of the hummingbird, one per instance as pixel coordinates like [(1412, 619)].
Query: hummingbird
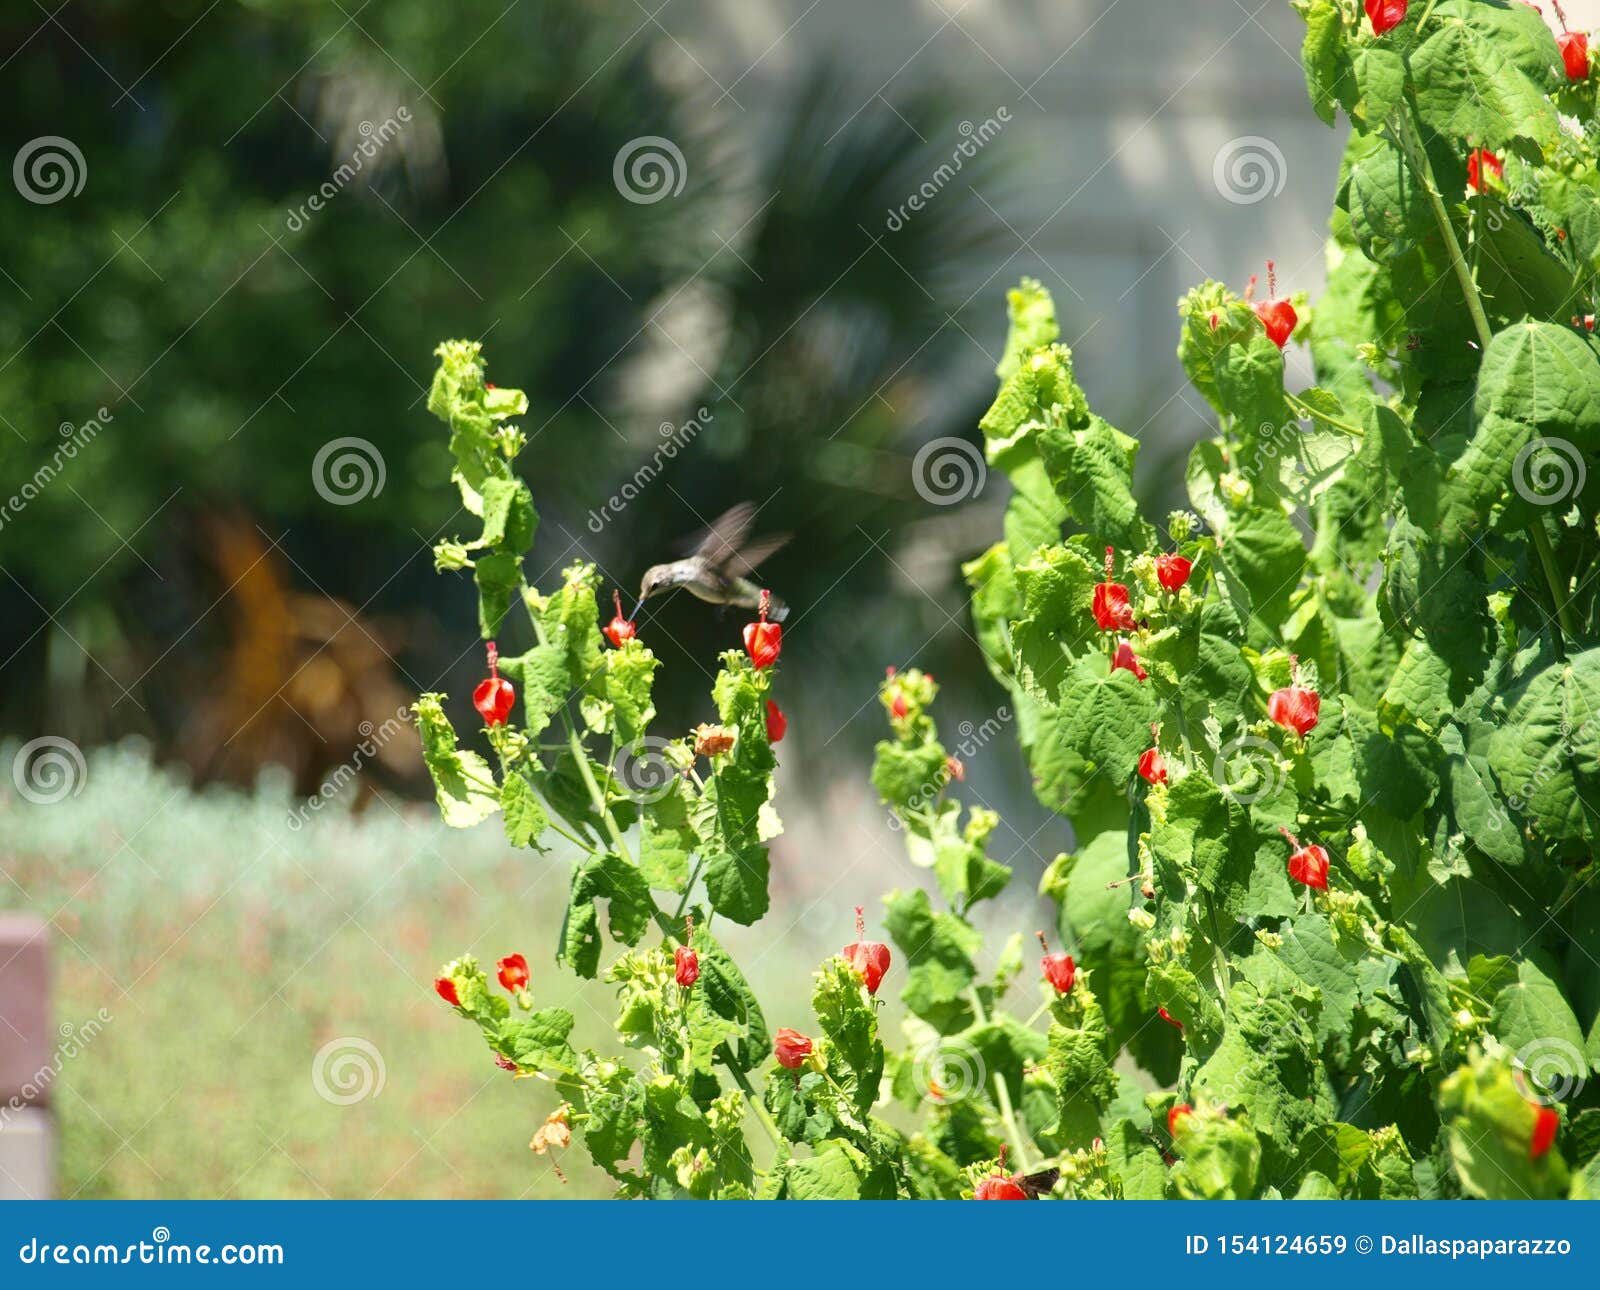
[(718, 568)]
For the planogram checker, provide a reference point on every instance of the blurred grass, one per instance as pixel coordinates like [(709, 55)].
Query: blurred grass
[(229, 949)]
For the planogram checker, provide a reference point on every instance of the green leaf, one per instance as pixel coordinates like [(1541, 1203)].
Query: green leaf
[(1546, 755), (1033, 325), (541, 681), (499, 578), (1043, 381), (1091, 467), (629, 677), (1533, 1019), (463, 783), (1541, 382), (937, 949), (509, 520), (729, 995), (667, 839), (1265, 556), (525, 818), (538, 1041), (1482, 72), (850, 1024), (612, 878)]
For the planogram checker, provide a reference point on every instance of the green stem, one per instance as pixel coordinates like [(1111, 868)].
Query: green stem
[(1306, 410), (756, 1105), (1547, 557), (687, 889), (1008, 1115), (1417, 155)]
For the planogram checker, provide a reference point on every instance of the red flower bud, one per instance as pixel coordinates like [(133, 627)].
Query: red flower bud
[(619, 629), (513, 972), (1385, 15), (1059, 969), (446, 988), (777, 723), (1176, 1116), (1169, 1018), (494, 696), (505, 1063), (1294, 707), (1478, 163), (1574, 47), (763, 641), (791, 1048), (1307, 865), (1110, 605), (1152, 766), (1172, 570), (898, 707), (870, 959), (1000, 1185), (1545, 1124), (1125, 659), (686, 966)]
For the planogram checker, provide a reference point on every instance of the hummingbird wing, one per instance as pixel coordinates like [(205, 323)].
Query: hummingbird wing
[(746, 559), (726, 534)]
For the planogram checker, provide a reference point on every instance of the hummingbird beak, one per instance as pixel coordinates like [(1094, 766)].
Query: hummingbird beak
[(636, 609)]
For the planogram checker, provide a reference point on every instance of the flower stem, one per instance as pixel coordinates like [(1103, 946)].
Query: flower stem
[(1306, 410), (1008, 1115), (756, 1105), (1562, 626)]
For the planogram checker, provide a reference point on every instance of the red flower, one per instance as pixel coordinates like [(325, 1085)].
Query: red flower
[(1575, 54), (1110, 604), (513, 972), (1172, 570), (494, 696), (1124, 659), (446, 988), (777, 723), (1059, 969), (870, 959), (763, 641), (1385, 15), (897, 706), (686, 966), (505, 1063), (1279, 318), (1169, 1018), (1480, 161), (1000, 1185), (1545, 1124), (619, 629), (1294, 707), (1176, 1116), (1152, 766), (1307, 865), (791, 1048)]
